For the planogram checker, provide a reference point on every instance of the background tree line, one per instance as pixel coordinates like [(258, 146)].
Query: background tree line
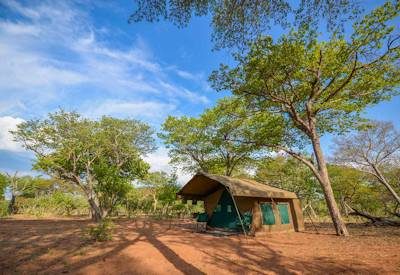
[(95, 166), (154, 195)]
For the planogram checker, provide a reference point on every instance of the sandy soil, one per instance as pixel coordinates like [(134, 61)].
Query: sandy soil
[(55, 246)]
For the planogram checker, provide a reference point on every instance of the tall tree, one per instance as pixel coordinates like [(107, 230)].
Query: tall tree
[(100, 157), (209, 143), (319, 87), (374, 149), (235, 22)]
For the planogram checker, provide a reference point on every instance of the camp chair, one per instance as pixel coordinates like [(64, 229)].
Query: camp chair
[(201, 222)]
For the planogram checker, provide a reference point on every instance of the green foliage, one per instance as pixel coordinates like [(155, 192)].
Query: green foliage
[(355, 188), (167, 192), (132, 202), (102, 231), (288, 174), (29, 187), (236, 22), (3, 208), (57, 204), (100, 157), (330, 81), (213, 142), (3, 185), (112, 188), (156, 195), (161, 188)]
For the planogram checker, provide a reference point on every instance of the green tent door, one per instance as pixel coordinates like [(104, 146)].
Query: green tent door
[(224, 214)]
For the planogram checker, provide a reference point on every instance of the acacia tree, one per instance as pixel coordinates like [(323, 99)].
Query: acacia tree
[(235, 22), (100, 157), (18, 186), (373, 149), (319, 87), (209, 143)]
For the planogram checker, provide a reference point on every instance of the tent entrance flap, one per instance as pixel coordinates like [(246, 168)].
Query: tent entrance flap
[(224, 214)]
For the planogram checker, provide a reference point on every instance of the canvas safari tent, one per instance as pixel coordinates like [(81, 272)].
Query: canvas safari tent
[(237, 204)]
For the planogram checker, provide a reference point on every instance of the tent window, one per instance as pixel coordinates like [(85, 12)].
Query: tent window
[(218, 208), (267, 214), (284, 213), (229, 208)]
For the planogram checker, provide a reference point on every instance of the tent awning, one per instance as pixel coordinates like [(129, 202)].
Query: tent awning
[(203, 184)]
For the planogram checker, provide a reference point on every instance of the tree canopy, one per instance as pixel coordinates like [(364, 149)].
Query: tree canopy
[(236, 22), (212, 142), (101, 157)]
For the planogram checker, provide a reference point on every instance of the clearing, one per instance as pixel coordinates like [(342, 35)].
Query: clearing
[(161, 247)]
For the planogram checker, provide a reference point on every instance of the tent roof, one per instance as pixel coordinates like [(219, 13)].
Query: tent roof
[(203, 184)]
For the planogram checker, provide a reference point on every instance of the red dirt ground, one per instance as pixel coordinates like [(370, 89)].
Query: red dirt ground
[(56, 246)]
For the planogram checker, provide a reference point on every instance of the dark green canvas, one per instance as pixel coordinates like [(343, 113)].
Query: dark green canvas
[(267, 214), (202, 217), (284, 213), (224, 215)]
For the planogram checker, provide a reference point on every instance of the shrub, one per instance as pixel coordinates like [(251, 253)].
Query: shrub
[(57, 203), (3, 208), (102, 231)]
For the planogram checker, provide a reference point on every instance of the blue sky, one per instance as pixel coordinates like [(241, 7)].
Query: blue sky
[(84, 56)]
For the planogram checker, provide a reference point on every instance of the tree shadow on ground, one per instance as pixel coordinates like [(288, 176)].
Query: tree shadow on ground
[(142, 231), (266, 259), (235, 254), (167, 252)]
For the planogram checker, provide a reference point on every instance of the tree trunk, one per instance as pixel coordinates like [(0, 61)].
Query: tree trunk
[(154, 204), (323, 178), (312, 211), (11, 205), (344, 208), (383, 180), (374, 220), (97, 214)]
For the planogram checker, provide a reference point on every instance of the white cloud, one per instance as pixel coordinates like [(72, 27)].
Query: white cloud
[(30, 13), (19, 28), (24, 70), (159, 161), (184, 93), (188, 75), (55, 49), (7, 124), (149, 110)]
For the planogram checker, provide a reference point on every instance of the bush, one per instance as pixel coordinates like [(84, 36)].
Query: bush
[(3, 208), (54, 204), (102, 231)]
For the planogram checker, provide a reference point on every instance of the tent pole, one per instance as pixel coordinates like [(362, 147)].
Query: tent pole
[(237, 210)]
